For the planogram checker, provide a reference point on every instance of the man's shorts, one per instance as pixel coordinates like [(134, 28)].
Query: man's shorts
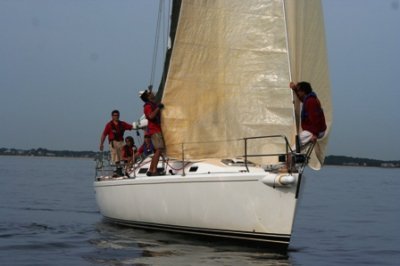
[(158, 141), (305, 136)]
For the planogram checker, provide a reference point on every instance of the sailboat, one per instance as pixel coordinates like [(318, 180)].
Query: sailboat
[(229, 124)]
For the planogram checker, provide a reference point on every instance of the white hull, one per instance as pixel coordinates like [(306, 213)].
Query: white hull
[(230, 204)]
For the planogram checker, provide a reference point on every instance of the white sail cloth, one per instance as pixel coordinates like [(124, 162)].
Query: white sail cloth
[(308, 60), (229, 72)]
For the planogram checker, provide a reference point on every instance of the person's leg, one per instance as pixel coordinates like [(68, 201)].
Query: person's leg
[(117, 147), (114, 157), (305, 138), (154, 161), (158, 145)]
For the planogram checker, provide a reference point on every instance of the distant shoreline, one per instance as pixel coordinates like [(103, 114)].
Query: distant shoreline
[(329, 160)]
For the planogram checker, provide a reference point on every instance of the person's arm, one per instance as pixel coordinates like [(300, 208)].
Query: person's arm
[(151, 114), (103, 137), (139, 151), (127, 126), (293, 86)]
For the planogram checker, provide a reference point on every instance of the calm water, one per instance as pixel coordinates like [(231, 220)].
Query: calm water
[(48, 216)]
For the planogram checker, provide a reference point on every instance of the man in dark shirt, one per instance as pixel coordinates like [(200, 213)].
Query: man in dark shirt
[(313, 123)]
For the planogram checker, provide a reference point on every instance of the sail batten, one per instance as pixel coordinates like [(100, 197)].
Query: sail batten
[(229, 73)]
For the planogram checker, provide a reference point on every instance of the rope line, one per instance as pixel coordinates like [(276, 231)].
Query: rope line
[(156, 41)]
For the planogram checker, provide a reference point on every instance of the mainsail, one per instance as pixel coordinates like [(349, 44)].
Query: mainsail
[(228, 75)]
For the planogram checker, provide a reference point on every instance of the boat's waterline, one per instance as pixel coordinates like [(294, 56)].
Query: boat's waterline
[(275, 240)]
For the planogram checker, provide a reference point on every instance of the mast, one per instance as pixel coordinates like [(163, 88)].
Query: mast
[(176, 6)]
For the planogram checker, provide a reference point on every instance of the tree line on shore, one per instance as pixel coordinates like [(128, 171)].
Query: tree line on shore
[(329, 160), (48, 153)]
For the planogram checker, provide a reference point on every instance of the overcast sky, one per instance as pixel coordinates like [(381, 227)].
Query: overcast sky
[(65, 64)]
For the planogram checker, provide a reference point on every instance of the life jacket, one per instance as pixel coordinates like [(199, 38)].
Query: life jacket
[(128, 151), (118, 132)]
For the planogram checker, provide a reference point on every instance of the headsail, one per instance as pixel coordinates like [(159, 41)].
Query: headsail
[(229, 73), (308, 59)]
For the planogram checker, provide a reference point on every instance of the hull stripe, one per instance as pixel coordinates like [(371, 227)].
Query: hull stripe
[(262, 238)]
